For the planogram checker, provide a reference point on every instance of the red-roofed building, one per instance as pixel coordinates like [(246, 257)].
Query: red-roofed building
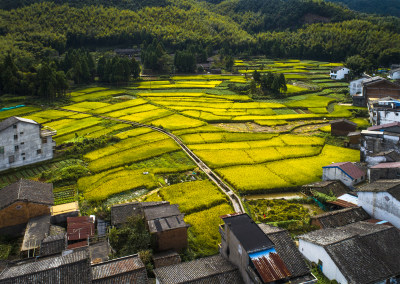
[(346, 172), (384, 171), (79, 230)]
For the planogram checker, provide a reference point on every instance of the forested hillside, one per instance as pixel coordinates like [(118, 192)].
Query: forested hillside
[(383, 7)]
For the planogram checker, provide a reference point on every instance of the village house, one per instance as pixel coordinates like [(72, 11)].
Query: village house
[(380, 144), (346, 172), (328, 187), (212, 269), (376, 88), (384, 111), (394, 74), (355, 86), (23, 142), (339, 73), (53, 244), (384, 171), (166, 258), (339, 218), (164, 222), (342, 127), (358, 253), (381, 200), (21, 201), (74, 267), (263, 254)]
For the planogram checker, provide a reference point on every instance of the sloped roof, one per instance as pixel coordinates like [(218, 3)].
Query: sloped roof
[(27, 190), (391, 165), (336, 187), (36, 230), (349, 168), (161, 211), (128, 268), (383, 126), (373, 80), (391, 186), (248, 233), (167, 223), (53, 244), (80, 228), (343, 120), (50, 269), (269, 265), (287, 250), (213, 269), (337, 68), (341, 217), (121, 212), (13, 120), (391, 72)]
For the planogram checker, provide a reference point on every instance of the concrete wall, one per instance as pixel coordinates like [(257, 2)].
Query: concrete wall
[(380, 117), (337, 174), (381, 205), (374, 144), (22, 144), (315, 253), (20, 213), (356, 87), (389, 173), (232, 250)]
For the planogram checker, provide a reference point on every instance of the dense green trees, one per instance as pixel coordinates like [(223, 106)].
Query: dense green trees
[(117, 69), (270, 83)]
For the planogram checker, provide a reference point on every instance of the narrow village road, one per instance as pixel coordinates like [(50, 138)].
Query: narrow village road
[(235, 200)]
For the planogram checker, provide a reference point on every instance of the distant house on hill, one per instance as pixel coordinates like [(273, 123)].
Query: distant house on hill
[(339, 73), (342, 127), (394, 74), (358, 253), (381, 199), (23, 142), (21, 201), (346, 172)]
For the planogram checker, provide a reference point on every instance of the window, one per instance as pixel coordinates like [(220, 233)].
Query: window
[(22, 154), (15, 137), (15, 126), (22, 143), (21, 133), (16, 147), (23, 158), (39, 151), (44, 140), (2, 150), (11, 159)]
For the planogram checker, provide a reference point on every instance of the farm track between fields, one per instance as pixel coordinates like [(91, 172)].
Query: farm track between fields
[(233, 197)]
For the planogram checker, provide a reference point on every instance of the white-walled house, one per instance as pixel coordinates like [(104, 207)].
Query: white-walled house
[(24, 141), (356, 86), (339, 73), (381, 200), (346, 172), (394, 74), (358, 253), (384, 111)]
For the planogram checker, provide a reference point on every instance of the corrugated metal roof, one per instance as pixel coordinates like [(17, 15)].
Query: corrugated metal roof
[(349, 198), (269, 265), (80, 228), (383, 126), (386, 165), (342, 203), (349, 168)]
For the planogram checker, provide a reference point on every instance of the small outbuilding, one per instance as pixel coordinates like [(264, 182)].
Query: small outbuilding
[(339, 218), (37, 229), (346, 172), (342, 127), (327, 187), (384, 171)]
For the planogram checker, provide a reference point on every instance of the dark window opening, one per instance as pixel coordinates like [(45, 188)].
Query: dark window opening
[(15, 137), (14, 126), (21, 133), (22, 143), (2, 150), (44, 140), (39, 151), (11, 159), (16, 147)]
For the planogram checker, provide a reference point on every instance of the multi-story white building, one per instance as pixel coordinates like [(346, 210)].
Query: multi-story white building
[(394, 74), (24, 141), (356, 86), (339, 73)]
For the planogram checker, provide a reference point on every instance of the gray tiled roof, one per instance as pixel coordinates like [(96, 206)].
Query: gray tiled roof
[(391, 186), (13, 120), (36, 230), (287, 250), (162, 211), (336, 187), (129, 269), (167, 223), (53, 244), (341, 217), (213, 269), (49, 269), (121, 212), (27, 190)]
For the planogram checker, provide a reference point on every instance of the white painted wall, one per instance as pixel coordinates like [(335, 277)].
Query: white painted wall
[(314, 253), (385, 116), (28, 141), (381, 205), (340, 74), (356, 86), (337, 174), (395, 75)]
